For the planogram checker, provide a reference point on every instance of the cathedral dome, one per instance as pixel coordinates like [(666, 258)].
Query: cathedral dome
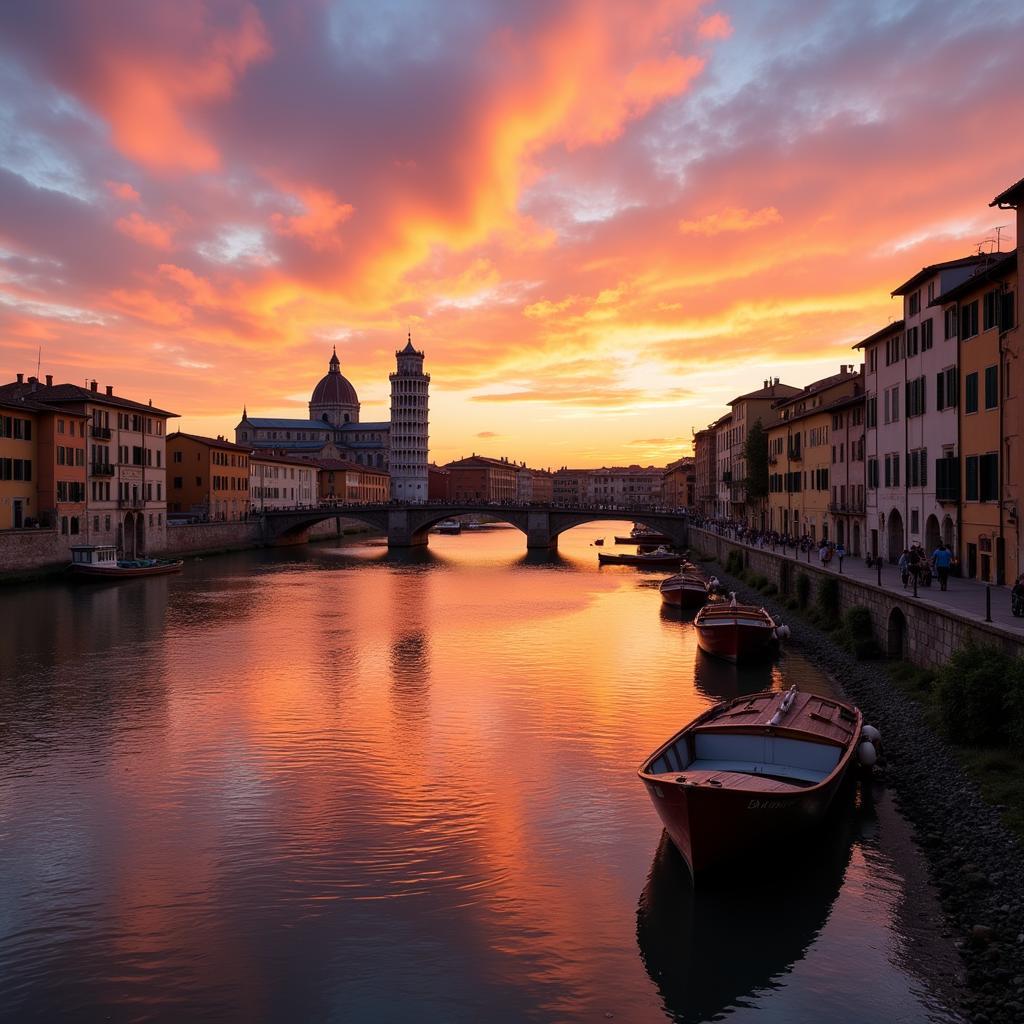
[(334, 389)]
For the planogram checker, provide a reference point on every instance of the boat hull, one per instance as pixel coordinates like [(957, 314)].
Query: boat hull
[(712, 827), (658, 562), (739, 641), (646, 538), (684, 597), (98, 572)]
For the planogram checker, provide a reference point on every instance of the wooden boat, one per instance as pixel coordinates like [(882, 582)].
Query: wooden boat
[(100, 561), (750, 772), (658, 558), (450, 526), (685, 590), (737, 632), (599, 543)]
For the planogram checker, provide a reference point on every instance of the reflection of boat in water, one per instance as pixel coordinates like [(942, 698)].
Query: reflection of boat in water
[(722, 680), (751, 772), (709, 948), (449, 526), (100, 561)]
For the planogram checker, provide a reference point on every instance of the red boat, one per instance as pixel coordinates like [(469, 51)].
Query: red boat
[(684, 590), (751, 771), (737, 632)]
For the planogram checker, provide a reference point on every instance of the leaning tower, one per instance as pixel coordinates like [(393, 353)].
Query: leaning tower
[(407, 461)]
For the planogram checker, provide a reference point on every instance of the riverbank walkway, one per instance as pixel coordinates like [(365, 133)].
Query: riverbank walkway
[(965, 597)]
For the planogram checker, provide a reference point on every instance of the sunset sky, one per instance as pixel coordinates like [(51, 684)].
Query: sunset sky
[(601, 220)]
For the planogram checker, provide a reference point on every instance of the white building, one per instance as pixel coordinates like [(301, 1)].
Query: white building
[(410, 416), (280, 481)]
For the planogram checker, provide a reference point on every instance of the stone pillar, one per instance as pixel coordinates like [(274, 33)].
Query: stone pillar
[(538, 531), (401, 533)]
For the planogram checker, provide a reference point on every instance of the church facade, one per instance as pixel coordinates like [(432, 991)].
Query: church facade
[(333, 429)]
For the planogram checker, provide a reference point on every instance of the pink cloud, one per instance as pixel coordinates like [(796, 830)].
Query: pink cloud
[(716, 26), (123, 190), (147, 232)]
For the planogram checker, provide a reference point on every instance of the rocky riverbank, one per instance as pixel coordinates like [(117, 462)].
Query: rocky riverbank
[(976, 863)]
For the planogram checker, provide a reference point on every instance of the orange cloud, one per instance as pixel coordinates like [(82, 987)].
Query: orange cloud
[(318, 225), (123, 190), (716, 26), (148, 232), (731, 219)]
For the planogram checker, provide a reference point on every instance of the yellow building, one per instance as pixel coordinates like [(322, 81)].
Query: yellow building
[(207, 477), (800, 457), (19, 433)]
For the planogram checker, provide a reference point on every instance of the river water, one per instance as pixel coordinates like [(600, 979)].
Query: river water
[(337, 784)]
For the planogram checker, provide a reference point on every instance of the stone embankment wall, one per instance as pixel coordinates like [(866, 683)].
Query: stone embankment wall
[(35, 552), (923, 634)]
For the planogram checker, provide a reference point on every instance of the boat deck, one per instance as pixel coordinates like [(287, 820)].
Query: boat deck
[(702, 775), (811, 714)]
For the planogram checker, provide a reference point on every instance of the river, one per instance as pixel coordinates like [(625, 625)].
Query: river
[(341, 784)]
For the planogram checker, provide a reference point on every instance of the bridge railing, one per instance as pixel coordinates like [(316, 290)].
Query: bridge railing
[(622, 511)]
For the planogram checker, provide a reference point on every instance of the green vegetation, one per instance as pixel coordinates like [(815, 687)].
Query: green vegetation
[(734, 563), (977, 701), (857, 635)]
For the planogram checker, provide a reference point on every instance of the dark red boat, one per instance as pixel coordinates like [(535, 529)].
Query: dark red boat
[(737, 632), (684, 590), (751, 771)]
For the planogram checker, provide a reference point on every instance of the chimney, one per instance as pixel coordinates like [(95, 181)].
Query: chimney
[(776, 380), (110, 389), (21, 378), (49, 380), (93, 386), (33, 381)]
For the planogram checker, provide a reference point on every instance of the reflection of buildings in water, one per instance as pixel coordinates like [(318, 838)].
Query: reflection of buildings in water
[(724, 680), (544, 556), (410, 670), (709, 947)]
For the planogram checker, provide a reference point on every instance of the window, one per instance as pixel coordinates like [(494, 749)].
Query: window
[(947, 478), (893, 350), (931, 292), (969, 320), (1006, 311), (988, 473), (971, 478), (951, 323), (971, 392), (989, 310), (914, 304), (946, 388), (176, 457), (912, 341), (872, 411), (926, 334), (916, 397), (917, 468), (991, 387)]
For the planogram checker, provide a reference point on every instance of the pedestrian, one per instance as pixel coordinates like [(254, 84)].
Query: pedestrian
[(840, 554), (904, 567), (823, 554), (942, 559)]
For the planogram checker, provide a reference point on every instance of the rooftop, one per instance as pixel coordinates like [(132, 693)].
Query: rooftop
[(770, 389), (210, 442), (885, 332), (930, 271), (1005, 263), (60, 394), (1011, 196)]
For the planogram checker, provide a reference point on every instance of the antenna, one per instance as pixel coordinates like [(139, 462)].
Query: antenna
[(39, 361), (999, 229)]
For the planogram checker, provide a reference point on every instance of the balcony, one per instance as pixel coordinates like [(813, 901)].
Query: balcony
[(794, 455), (131, 503), (101, 469), (101, 432), (849, 507)]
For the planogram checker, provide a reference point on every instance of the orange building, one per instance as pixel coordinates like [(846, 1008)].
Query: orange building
[(479, 478), (208, 477), (438, 483), (984, 308), (348, 483)]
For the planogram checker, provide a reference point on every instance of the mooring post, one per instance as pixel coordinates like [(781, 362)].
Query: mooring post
[(878, 566)]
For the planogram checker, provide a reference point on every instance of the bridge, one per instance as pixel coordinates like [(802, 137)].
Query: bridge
[(408, 525)]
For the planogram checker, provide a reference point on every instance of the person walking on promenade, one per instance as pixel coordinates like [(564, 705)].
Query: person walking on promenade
[(914, 562), (823, 554), (840, 554), (904, 567), (942, 559)]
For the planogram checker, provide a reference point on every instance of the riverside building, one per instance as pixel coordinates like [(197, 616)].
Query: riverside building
[(281, 481), (209, 477), (125, 500)]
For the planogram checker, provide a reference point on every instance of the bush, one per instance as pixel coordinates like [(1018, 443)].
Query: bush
[(803, 590), (828, 599), (866, 650), (857, 623), (734, 563), (980, 695)]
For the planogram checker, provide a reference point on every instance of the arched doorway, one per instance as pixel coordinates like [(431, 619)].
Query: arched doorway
[(894, 531), (840, 532), (947, 532), (896, 634), (932, 537), (855, 547)]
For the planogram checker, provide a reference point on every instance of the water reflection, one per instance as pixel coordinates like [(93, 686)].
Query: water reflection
[(712, 946), (718, 679)]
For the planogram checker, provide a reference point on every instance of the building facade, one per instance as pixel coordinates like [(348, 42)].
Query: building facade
[(479, 478), (679, 484), (209, 477), (344, 482), (705, 468), (281, 481), (725, 438), (847, 508), (126, 472)]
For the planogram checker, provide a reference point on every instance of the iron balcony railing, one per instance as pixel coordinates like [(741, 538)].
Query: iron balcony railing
[(102, 469)]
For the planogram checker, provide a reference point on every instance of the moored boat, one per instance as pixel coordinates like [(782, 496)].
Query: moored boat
[(450, 526), (599, 542), (737, 632), (684, 590), (100, 561), (751, 771), (644, 537), (658, 558)]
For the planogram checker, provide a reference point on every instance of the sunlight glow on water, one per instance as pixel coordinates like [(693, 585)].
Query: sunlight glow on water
[(342, 784)]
